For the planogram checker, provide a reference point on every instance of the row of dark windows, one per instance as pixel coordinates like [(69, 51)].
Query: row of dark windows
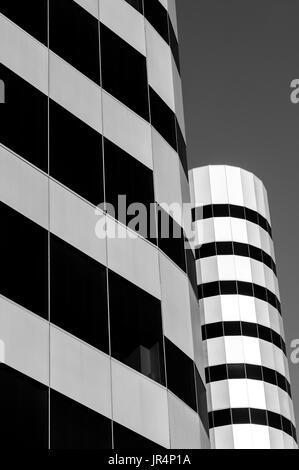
[(211, 289), (25, 405), (241, 328), (33, 18), (24, 412), (122, 71), (76, 154), (79, 301), (18, 259), (247, 371), (237, 249), (230, 210), (25, 420), (73, 145), (251, 415)]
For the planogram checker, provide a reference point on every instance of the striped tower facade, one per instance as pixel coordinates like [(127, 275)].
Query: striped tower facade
[(247, 375), (100, 340)]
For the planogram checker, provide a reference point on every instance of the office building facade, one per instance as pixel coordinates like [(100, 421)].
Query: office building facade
[(100, 340), (247, 375)]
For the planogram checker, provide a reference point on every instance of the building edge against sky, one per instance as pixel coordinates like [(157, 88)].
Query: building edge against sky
[(247, 374), (100, 339)]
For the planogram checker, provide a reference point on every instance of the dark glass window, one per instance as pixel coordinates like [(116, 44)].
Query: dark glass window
[(251, 215), (232, 328), (157, 15), (30, 16), (137, 4), (127, 176), (240, 415), (245, 288), (163, 119), (222, 417), (24, 411), (274, 420), (24, 261), (210, 289), (255, 253), (74, 37), (263, 222), (124, 72), (76, 154), (283, 345), (220, 210), (254, 372), (125, 438), (171, 238), (269, 375), (180, 374), (286, 425), (228, 287), (218, 373), (249, 329), (201, 400), (78, 294), (24, 119), (236, 371), (258, 416), (74, 426), (207, 211), (265, 333), (214, 330), (270, 297), (260, 292), (241, 249), (276, 339), (224, 248), (206, 250), (136, 328), (281, 381), (268, 261), (237, 212), (294, 435)]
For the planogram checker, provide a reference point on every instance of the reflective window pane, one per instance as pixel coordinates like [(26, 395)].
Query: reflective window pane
[(136, 328), (79, 294)]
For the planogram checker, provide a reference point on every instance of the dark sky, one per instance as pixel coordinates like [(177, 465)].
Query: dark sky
[(238, 58)]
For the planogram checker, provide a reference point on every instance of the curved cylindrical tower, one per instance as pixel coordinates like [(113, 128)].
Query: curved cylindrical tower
[(248, 383)]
